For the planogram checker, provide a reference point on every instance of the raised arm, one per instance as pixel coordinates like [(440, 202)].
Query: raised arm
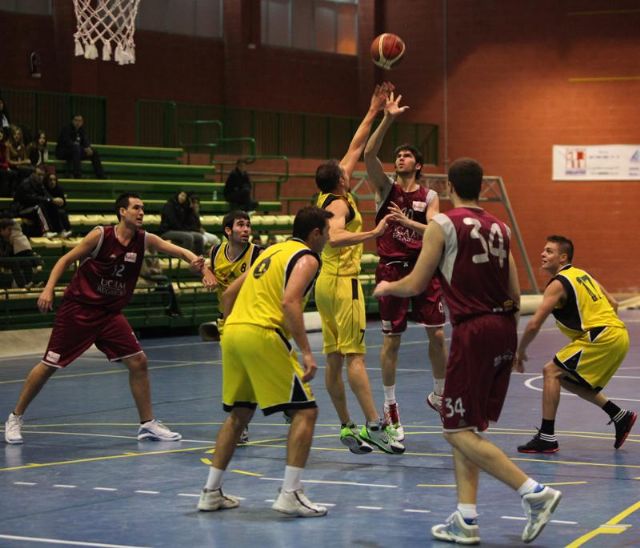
[(339, 236), (375, 171), (378, 100), (301, 277)]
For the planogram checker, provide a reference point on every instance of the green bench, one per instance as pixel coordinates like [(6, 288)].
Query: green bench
[(118, 153), (139, 171)]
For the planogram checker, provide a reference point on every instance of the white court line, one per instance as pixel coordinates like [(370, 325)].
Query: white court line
[(190, 495), (104, 489), (529, 384), (142, 492), (69, 542), (369, 507), (24, 483), (63, 486), (338, 483), (558, 521), (415, 511)]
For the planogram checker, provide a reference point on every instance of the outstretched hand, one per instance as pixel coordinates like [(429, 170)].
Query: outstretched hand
[(396, 214), (381, 226), (393, 108), (381, 95)]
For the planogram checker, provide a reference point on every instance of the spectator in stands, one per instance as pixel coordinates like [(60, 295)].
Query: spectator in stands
[(8, 177), (34, 203), (237, 189), (16, 253), (37, 150), (18, 157), (74, 146), (5, 121), (56, 191), (177, 224), (210, 240)]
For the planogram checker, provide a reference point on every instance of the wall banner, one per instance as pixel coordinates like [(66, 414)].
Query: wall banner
[(596, 162)]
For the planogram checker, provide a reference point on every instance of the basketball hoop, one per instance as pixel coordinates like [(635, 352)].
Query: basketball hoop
[(106, 21)]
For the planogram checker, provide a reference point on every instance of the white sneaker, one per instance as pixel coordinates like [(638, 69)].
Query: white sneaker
[(455, 529), (538, 508), (392, 417), (50, 234), (435, 402), (296, 503), (214, 499), (13, 429), (65, 233), (154, 430)]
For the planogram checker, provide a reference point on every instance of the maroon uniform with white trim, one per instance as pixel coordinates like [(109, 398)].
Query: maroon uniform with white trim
[(474, 272), (91, 309), (398, 248)]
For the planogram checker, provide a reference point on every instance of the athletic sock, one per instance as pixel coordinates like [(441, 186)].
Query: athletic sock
[(214, 481), (548, 427), (469, 513), (292, 478), (614, 412), (390, 394), (530, 486), (438, 386)]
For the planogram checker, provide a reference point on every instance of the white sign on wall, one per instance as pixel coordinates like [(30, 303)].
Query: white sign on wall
[(596, 162)]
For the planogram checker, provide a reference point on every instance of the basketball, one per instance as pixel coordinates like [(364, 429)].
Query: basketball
[(387, 50)]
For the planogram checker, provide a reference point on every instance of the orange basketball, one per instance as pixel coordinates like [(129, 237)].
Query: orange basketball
[(387, 50)]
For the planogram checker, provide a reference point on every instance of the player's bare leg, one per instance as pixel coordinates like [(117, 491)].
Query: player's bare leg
[(360, 386), (335, 385), (229, 434), (438, 359), (300, 436), (36, 379), (139, 384), (389, 365)]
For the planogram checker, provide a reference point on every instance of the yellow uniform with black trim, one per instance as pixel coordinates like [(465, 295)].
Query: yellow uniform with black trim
[(338, 293), (599, 339), (259, 365), (226, 270)]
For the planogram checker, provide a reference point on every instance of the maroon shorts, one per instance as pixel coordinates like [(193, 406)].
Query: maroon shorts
[(478, 371), (77, 326), (426, 308)]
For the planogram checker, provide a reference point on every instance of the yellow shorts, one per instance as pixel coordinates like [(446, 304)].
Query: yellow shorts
[(595, 357), (259, 367), (340, 302)]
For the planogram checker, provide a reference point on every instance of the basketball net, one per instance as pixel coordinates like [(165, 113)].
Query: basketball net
[(109, 22)]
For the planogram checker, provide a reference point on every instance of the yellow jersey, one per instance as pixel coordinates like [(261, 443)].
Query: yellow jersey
[(227, 270), (586, 307), (342, 261), (259, 301)]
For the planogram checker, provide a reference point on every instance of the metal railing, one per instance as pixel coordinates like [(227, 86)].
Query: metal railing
[(296, 135), (50, 111)]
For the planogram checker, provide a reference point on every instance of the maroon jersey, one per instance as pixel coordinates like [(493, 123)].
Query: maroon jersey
[(474, 268), (400, 242), (108, 276)]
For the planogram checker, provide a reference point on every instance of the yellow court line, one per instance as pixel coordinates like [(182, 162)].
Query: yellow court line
[(609, 528), (603, 79), (245, 473)]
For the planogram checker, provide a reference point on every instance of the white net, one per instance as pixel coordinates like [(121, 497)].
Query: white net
[(111, 22)]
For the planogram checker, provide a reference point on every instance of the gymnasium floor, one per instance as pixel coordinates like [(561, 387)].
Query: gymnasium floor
[(82, 479)]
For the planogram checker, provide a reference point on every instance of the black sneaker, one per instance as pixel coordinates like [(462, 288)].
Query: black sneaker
[(538, 445), (623, 427)]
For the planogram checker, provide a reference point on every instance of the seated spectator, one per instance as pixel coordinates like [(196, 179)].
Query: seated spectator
[(37, 150), (5, 121), (210, 239), (18, 158), (8, 177), (56, 191), (73, 146), (16, 253), (177, 224), (237, 189), (37, 207)]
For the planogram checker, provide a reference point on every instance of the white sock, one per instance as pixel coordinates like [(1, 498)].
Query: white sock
[(390, 393), (292, 478), (214, 481), (529, 486), (468, 511), (438, 386)]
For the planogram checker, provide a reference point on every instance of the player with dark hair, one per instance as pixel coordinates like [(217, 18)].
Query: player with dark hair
[(264, 310), (339, 296), (470, 248), (586, 313), (411, 206), (110, 259)]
